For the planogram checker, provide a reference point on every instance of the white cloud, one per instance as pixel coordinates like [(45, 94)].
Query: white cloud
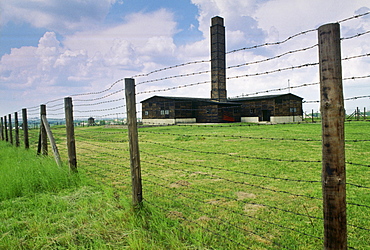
[(137, 29), (89, 59), (290, 17), (62, 16)]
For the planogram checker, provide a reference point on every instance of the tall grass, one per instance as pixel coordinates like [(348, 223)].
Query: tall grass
[(23, 173)]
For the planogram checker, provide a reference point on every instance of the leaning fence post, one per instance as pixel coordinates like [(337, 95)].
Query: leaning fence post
[(333, 154), (71, 143), (137, 195), (43, 135), (16, 125), (10, 129), (51, 139), (25, 129)]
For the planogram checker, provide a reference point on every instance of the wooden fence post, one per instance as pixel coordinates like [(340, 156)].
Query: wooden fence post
[(6, 129), (71, 143), (10, 128), (312, 117), (333, 154), (137, 195), (25, 129), (51, 139), (2, 129), (16, 125), (43, 136), (364, 113)]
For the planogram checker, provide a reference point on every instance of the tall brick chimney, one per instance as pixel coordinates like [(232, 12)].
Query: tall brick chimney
[(218, 63)]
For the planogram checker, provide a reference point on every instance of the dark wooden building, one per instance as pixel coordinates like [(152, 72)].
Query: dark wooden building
[(91, 121), (218, 108), (173, 110), (271, 108)]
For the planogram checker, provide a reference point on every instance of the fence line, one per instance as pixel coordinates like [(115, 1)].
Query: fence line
[(104, 153)]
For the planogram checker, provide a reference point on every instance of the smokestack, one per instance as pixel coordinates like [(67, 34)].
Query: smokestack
[(218, 63)]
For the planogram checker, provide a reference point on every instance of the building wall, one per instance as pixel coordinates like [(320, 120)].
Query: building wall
[(250, 119), (168, 121), (162, 108), (274, 119), (288, 106), (286, 119), (254, 108), (207, 113), (282, 106), (184, 109), (157, 108)]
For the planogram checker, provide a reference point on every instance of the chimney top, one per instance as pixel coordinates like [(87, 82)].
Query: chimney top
[(217, 20)]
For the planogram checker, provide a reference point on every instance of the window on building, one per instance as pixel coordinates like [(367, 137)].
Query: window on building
[(253, 111), (293, 110), (165, 111), (146, 113)]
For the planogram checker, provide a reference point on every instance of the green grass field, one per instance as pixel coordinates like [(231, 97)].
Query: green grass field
[(204, 187)]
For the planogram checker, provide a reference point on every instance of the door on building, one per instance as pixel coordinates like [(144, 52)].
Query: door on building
[(266, 114)]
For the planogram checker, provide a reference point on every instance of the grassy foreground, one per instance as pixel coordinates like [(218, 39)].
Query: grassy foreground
[(44, 207), (204, 187)]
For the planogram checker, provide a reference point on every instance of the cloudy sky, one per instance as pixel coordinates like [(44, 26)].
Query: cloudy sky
[(52, 49)]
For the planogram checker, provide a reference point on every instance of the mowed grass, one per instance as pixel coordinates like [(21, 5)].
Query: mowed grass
[(252, 186), (204, 187)]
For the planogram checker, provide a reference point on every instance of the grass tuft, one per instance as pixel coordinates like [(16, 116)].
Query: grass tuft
[(22, 173)]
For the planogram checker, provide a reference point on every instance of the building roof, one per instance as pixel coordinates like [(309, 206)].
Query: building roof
[(230, 101), (174, 98), (264, 97)]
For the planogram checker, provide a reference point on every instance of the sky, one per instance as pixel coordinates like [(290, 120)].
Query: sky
[(51, 49)]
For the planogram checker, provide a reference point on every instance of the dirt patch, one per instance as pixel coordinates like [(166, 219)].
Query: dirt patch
[(204, 218), (180, 183), (175, 215), (251, 208), (215, 201), (199, 173), (245, 195)]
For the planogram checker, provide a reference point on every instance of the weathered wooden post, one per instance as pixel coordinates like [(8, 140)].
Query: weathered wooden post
[(71, 143), (312, 117), (16, 125), (137, 195), (25, 129), (6, 129), (364, 113), (333, 154), (54, 147), (43, 136), (2, 129), (10, 128)]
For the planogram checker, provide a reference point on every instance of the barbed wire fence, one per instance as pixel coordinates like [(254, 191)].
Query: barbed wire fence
[(201, 175)]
